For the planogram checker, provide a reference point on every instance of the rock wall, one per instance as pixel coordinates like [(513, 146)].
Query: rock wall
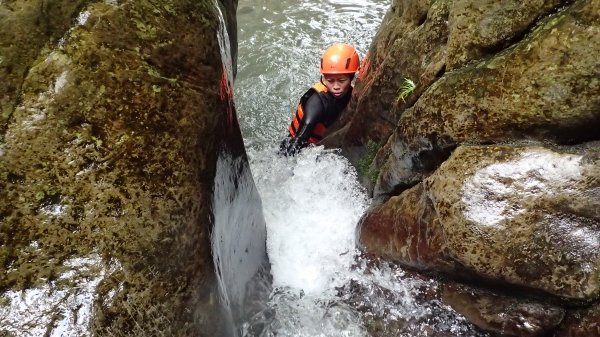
[(114, 116), (487, 173)]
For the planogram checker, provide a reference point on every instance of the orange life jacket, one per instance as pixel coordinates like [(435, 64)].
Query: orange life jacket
[(319, 129)]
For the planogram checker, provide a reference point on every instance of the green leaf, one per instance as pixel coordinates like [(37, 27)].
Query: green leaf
[(407, 87)]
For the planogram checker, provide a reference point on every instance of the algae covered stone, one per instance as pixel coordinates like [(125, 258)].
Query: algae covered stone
[(524, 216), (545, 88), (28, 28), (107, 173)]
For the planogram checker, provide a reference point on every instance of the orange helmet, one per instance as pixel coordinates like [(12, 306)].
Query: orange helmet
[(340, 59)]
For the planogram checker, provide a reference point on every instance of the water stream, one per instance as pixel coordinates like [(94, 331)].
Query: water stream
[(312, 202)]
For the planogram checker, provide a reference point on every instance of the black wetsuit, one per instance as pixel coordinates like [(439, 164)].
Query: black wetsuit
[(318, 107)]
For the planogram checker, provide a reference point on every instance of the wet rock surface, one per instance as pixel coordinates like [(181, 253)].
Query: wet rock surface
[(26, 28), (503, 315), (406, 230), (520, 215), (425, 312), (107, 168), (228, 10), (582, 323), (485, 27)]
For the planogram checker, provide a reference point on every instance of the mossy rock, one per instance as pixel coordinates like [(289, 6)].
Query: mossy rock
[(108, 166)]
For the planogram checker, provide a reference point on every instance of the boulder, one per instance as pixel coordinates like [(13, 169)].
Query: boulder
[(518, 216), (545, 88), (107, 171), (487, 172), (406, 230), (485, 27)]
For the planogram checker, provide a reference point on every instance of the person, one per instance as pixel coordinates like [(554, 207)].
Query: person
[(321, 105)]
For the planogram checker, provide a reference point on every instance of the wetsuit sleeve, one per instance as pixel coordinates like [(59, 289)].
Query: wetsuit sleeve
[(313, 112)]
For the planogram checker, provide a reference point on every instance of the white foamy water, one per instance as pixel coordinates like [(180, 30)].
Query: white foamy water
[(311, 205), (322, 287), (311, 216)]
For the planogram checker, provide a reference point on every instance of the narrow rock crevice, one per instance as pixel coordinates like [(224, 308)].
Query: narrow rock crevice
[(422, 19), (440, 72)]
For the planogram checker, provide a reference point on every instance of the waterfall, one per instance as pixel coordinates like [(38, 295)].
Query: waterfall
[(239, 233)]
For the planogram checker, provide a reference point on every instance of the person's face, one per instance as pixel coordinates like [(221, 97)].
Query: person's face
[(337, 84)]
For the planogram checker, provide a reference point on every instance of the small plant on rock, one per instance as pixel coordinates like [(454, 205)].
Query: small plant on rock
[(407, 87)]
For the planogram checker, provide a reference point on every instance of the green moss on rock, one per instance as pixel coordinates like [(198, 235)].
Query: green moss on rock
[(108, 165), (28, 29), (364, 164)]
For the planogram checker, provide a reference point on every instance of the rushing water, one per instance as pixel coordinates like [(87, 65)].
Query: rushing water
[(280, 45), (312, 202)]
